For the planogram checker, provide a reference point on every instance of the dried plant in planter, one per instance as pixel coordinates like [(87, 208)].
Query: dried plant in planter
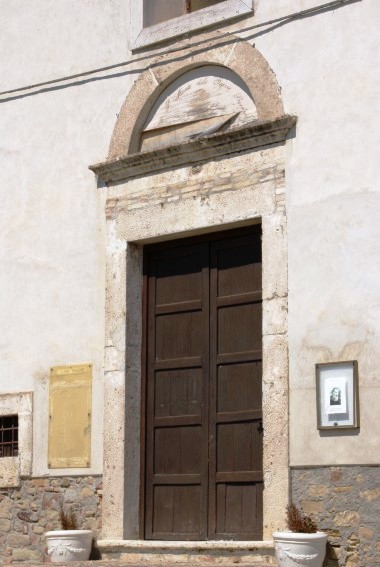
[(70, 543), (68, 519), (298, 522)]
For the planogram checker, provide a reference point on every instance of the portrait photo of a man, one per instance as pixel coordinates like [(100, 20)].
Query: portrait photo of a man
[(335, 397)]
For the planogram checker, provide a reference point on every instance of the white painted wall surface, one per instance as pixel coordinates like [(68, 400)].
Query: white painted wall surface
[(52, 243), (50, 39), (52, 248), (328, 66)]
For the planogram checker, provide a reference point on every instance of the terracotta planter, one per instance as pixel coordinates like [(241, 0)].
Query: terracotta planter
[(68, 545), (296, 549)]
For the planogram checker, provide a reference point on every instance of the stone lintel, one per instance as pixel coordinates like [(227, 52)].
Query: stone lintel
[(248, 137)]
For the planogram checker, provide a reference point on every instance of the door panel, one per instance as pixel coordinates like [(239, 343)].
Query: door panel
[(179, 277), (178, 335), (177, 510), (203, 426), (239, 267), (233, 324), (178, 392), (235, 503), (177, 377), (239, 387), (235, 470)]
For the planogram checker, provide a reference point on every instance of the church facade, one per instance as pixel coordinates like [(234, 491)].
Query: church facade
[(190, 275)]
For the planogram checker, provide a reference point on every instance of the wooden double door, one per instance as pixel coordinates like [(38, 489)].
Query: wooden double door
[(203, 430)]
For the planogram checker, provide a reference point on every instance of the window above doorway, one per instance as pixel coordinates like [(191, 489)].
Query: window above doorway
[(154, 21), (156, 11)]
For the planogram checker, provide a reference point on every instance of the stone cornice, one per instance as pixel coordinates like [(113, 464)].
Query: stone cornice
[(209, 147)]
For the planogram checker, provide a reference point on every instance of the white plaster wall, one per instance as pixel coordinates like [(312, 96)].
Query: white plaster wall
[(328, 67), (52, 245), (52, 241), (50, 39)]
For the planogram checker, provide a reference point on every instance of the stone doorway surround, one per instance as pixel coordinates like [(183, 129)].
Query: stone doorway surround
[(219, 181)]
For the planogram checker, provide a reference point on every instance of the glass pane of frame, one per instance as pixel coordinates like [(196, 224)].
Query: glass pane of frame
[(337, 395)]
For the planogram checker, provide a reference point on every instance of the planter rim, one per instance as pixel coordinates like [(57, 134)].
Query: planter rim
[(299, 535), (68, 533)]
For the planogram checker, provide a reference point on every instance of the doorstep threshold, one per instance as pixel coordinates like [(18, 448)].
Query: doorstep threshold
[(187, 545)]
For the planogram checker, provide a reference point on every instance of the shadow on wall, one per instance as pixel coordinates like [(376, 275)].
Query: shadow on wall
[(268, 26)]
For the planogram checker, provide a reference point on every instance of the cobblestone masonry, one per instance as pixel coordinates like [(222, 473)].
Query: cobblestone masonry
[(345, 501), (32, 509)]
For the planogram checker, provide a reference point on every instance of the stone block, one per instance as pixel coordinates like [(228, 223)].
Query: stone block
[(365, 533), (38, 482), (6, 506), (275, 315), (332, 533), (10, 472), (5, 525), (71, 496), (86, 492), (312, 506), (336, 475), (18, 540), (370, 495), (275, 275), (317, 490), (347, 518), (38, 530), (342, 489), (26, 555)]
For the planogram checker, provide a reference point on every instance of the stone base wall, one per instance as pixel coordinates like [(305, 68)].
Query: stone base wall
[(30, 510), (345, 502)]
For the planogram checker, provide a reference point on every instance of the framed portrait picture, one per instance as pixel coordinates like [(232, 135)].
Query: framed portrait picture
[(337, 395)]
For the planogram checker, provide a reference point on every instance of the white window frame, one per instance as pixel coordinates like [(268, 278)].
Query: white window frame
[(175, 27), (11, 468)]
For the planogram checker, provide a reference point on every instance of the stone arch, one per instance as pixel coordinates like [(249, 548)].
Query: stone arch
[(228, 51)]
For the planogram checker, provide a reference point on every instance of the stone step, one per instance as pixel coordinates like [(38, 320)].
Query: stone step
[(137, 553), (185, 553), (120, 563)]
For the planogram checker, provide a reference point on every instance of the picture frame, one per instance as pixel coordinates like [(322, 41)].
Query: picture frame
[(337, 395)]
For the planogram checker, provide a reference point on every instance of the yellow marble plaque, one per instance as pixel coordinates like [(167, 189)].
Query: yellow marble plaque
[(70, 416)]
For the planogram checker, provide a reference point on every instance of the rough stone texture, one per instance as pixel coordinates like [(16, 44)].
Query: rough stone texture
[(32, 509), (232, 191), (345, 502), (9, 472), (201, 553), (261, 562), (261, 172), (245, 60), (194, 153)]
